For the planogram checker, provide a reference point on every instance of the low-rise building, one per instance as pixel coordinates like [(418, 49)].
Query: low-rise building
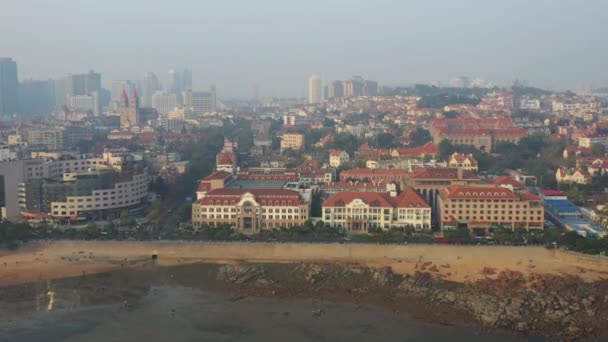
[(362, 212), (463, 161), (250, 210), (589, 140), (386, 175), (338, 157), (483, 134), (428, 150), (572, 175), (46, 138), (357, 186), (481, 207), (293, 141)]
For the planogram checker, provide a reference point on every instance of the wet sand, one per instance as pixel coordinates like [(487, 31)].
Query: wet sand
[(59, 259), (154, 305)]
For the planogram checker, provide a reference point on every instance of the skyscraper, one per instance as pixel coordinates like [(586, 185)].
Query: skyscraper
[(354, 87), (9, 87), (175, 84), (370, 88), (186, 79), (59, 88), (336, 89), (149, 87), (315, 90), (178, 82), (36, 97), (84, 84)]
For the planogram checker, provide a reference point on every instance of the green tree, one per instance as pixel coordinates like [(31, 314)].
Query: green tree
[(91, 231), (451, 114), (598, 150), (420, 137), (124, 218), (385, 140), (459, 235), (446, 149)]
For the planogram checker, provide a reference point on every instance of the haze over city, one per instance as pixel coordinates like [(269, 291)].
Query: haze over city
[(276, 45), (274, 170)]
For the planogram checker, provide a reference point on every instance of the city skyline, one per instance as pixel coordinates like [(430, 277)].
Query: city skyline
[(394, 43)]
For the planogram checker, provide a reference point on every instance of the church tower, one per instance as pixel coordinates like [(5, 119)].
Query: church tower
[(124, 108), (129, 109), (134, 108)]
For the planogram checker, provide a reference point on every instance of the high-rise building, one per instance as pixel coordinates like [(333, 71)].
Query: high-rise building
[(175, 82), (460, 82), (84, 84), (336, 89), (186, 79), (46, 138), (149, 86), (129, 109), (315, 90), (370, 88), (354, 87), (9, 87), (200, 102), (83, 103), (164, 102), (178, 82), (59, 88), (36, 97)]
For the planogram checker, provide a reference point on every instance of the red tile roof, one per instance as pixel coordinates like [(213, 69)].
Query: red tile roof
[(225, 158), (407, 199), (506, 180), (262, 196), (551, 192), (431, 173), (464, 131), (420, 151), (528, 196), (218, 175), (335, 153), (479, 192), (203, 187), (373, 174), (461, 157)]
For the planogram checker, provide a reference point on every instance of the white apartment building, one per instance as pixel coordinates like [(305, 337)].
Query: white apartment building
[(315, 90), (164, 103)]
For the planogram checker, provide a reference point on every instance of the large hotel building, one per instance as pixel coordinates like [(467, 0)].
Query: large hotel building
[(360, 212), (250, 210), (483, 134), (480, 207)]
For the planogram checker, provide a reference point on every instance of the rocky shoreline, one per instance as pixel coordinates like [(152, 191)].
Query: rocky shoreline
[(560, 307), (543, 305)]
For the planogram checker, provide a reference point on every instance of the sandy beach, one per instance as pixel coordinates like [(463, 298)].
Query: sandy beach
[(60, 259)]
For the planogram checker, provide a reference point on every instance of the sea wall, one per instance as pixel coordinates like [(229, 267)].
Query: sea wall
[(328, 252)]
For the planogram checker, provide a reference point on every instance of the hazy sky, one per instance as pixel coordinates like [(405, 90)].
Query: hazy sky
[(277, 44)]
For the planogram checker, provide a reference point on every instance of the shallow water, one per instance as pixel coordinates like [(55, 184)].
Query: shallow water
[(155, 306)]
